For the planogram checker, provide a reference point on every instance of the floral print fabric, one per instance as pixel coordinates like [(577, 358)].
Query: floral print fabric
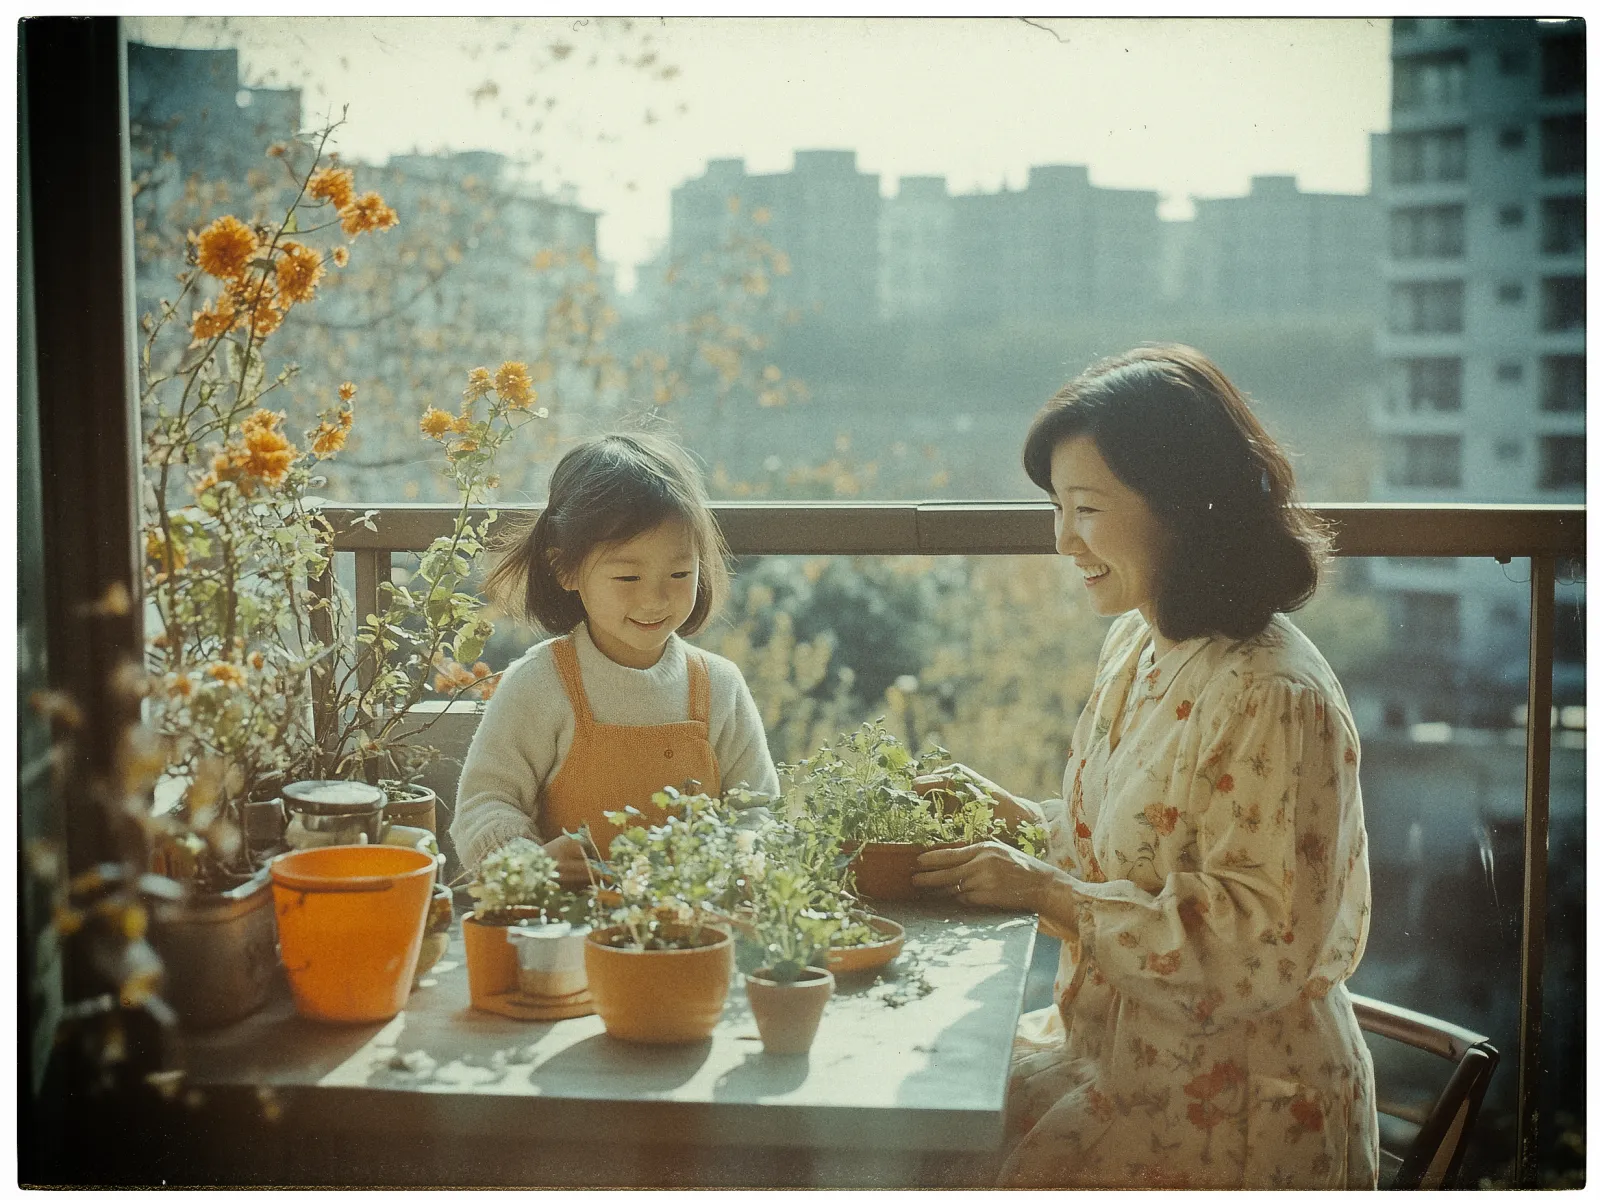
[(1202, 1035)]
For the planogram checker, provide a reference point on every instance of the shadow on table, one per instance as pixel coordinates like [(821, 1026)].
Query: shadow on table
[(600, 1061), (761, 1075)]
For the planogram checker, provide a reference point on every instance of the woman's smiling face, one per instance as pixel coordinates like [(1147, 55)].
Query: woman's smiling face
[(1106, 528)]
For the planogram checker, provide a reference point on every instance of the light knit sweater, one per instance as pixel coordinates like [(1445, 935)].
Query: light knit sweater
[(528, 726)]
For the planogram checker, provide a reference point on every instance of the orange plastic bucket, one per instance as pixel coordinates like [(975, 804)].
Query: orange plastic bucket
[(350, 921)]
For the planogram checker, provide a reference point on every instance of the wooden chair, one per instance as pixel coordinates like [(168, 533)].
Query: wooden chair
[(1432, 1158)]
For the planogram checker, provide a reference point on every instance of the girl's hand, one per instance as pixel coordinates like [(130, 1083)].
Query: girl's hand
[(569, 851), (945, 786), (991, 874)]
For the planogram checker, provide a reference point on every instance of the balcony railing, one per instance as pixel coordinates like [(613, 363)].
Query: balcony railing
[(1544, 534)]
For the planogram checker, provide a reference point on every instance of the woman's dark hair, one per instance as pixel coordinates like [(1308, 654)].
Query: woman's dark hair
[(606, 490), (1169, 424)]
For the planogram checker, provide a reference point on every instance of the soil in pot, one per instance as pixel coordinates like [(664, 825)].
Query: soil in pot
[(787, 1014), (662, 996), (883, 870)]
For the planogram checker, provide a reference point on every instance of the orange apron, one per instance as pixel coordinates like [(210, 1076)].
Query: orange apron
[(612, 766)]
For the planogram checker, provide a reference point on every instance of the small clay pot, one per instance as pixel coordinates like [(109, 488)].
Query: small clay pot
[(787, 1014), (436, 933), (883, 870)]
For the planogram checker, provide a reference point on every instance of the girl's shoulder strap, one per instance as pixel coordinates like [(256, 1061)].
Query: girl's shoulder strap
[(699, 686), (566, 656)]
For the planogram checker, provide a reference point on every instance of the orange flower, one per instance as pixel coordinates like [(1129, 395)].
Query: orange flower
[(227, 673), (513, 384), (345, 419), (212, 322), (436, 422), (1225, 784), (327, 439), (480, 670), (168, 558), (486, 688), (336, 185), (277, 150), (226, 247), (180, 685), (341, 256), (479, 383), (258, 660), (347, 391), (367, 211), (299, 271), (266, 319), (462, 424), (262, 453)]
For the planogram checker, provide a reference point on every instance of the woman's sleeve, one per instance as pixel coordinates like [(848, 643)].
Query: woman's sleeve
[(741, 747), (1276, 904), (497, 798)]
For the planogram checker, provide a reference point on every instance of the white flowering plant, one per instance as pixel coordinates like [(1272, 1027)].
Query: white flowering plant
[(518, 877), (667, 882)]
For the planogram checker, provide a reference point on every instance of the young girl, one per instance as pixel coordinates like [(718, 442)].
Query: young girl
[(624, 557)]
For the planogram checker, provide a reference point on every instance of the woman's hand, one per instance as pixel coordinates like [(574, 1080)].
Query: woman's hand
[(957, 784), (991, 874), (571, 854)]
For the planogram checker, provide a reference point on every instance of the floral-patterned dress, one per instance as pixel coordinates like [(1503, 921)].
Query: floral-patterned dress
[(1202, 1035)]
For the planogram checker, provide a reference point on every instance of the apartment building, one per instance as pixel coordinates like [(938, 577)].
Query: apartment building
[(1482, 180)]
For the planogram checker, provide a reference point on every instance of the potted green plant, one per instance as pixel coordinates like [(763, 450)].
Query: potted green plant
[(260, 675), (860, 786), (518, 890), (659, 969)]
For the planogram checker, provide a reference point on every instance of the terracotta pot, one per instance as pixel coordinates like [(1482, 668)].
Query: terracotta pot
[(844, 959), (219, 952), (413, 805), (883, 870), (664, 996), (436, 933), (350, 922), (491, 961), (787, 1014)]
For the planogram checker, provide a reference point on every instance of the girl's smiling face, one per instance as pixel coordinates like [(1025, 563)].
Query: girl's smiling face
[(636, 593), (1107, 529)]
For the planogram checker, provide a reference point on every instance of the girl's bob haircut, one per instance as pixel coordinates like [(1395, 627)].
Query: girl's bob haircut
[(1238, 547), (606, 490)]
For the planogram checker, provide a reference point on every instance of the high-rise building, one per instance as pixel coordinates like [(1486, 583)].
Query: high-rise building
[(1483, 340), (823, 215), (1280, 250), (1060, 246), (914, 268)]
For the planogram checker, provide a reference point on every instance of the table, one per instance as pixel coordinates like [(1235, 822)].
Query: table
[(905, 1083)]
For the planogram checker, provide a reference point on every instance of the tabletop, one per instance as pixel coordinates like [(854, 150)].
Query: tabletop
[(914, 1056)]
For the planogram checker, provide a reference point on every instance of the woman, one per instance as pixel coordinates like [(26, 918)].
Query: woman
[(1207, 871)]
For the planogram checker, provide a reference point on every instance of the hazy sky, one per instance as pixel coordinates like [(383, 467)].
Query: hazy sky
[(1184, 106)]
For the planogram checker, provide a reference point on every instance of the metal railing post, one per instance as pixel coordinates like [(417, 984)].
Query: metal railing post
[(1535, 861)]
